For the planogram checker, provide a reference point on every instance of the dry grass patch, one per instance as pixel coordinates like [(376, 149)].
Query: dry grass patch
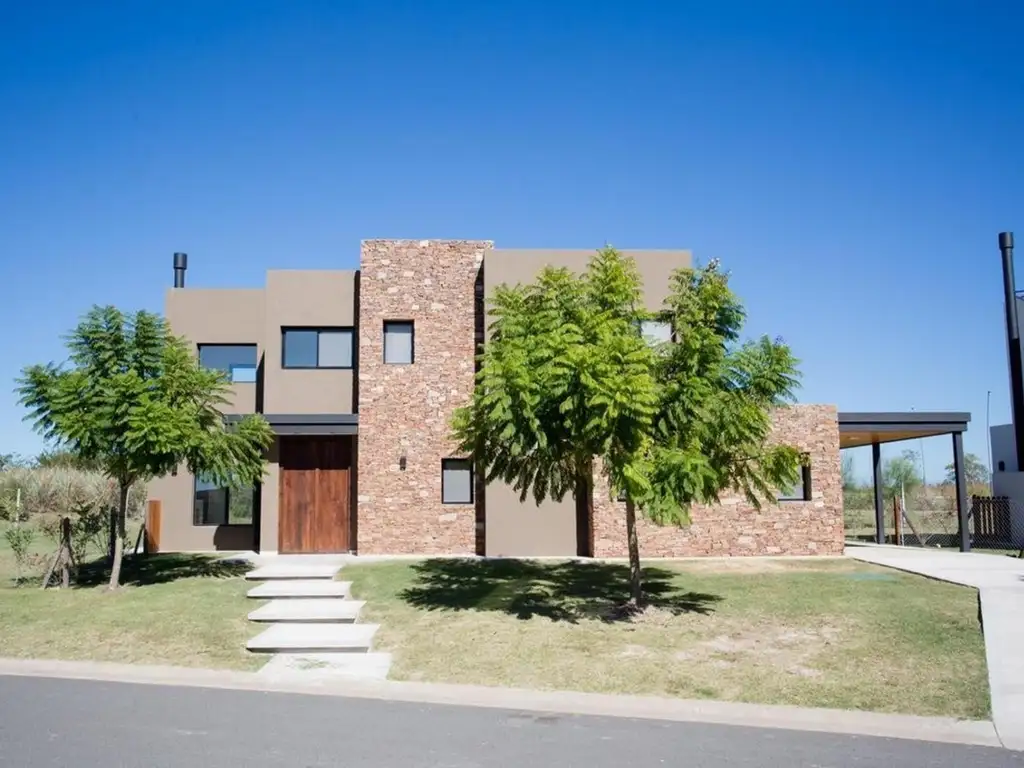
[(827, 633)]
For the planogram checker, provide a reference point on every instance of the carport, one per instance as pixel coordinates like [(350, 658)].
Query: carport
[(860, 429)]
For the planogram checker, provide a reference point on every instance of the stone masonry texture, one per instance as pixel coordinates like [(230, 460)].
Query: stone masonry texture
[(405, 410), (734, 527)]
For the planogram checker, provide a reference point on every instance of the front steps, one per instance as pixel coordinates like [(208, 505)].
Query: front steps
[(312, 624)]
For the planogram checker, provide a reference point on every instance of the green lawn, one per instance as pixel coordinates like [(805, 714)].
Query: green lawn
[(822, 633), (187, 610)]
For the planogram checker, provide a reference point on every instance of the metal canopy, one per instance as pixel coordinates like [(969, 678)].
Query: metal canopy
[(309, 423), (868, 428)]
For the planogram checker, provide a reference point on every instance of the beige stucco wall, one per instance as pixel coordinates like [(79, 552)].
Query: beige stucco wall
[(515, 528), (311, 298)]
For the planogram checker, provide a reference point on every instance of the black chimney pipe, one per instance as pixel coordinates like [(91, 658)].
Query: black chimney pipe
[(1013, 340), (181, 264)]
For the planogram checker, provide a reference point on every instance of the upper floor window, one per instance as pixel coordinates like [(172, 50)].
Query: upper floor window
[(399, 342), (656, 331), (238, 361), (316, 347)]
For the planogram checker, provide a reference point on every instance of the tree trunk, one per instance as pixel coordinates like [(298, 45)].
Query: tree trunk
[(111, 537), (635, 582), (122, 513), (583, 495)]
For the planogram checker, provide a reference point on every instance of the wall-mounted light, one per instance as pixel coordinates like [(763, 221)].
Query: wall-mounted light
[(174, 472), (401, 463)]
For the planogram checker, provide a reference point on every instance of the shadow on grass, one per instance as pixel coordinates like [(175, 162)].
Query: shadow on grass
[(560, 591), (139, 571)]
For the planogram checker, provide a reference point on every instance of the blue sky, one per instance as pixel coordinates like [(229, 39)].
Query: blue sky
[(851, 161)]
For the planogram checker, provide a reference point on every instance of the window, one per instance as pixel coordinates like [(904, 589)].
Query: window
[(456, 481), (656, 331), (238, 361), (218, 505), (316, 348), (802, 490), (398, 342)]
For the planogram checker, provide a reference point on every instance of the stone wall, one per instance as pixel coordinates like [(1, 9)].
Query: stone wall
[(734, 527), (405, 410)]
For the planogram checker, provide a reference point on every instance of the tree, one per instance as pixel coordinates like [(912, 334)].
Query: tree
[(63, 458), (901, 474), (975, 471), (849, 476), (568, 385), (134, 400)]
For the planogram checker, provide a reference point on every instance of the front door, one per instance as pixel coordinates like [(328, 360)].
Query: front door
[(315, 494)]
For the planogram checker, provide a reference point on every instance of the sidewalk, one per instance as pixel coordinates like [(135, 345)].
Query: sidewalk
[(1000, 584), (933, 729)]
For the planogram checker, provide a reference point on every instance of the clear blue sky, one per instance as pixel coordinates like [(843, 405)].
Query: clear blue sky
[(852, 161)]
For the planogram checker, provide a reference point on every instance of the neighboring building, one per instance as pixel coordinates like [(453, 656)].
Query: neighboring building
[(358, 372)]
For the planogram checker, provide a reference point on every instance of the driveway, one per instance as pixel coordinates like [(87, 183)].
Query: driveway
[(1000, 584), (87, 724)]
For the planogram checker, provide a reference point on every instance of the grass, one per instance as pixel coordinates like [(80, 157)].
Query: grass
[(822, 633), (186, 610)]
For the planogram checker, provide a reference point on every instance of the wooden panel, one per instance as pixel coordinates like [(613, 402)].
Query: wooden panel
[(315, 494), (154, 511)]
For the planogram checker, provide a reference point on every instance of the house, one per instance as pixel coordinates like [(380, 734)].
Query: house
[(358, 372)]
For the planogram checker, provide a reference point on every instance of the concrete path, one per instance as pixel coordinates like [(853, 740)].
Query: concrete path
[(311, 625), (1000, 584), (545, 706), (45, 722)]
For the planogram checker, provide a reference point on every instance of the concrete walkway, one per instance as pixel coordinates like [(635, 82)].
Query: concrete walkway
[(1000, 584)]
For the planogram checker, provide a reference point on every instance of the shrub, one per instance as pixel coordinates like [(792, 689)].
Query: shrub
[(19, 539), (50, 493)]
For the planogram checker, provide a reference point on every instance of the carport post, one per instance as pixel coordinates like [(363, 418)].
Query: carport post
[(876, 459), (961, 492)]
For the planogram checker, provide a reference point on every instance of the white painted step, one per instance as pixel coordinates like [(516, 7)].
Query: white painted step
[(291, 588), (327, 666), (294, 571), (312, 637), (308, 609)]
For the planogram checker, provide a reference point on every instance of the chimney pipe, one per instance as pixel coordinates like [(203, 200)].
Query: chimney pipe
[(1013, 341), (180, 265)]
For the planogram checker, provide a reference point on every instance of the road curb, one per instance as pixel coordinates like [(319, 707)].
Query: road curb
[(912, 727)]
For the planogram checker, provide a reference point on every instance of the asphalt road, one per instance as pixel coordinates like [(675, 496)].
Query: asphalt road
[(80, 724)]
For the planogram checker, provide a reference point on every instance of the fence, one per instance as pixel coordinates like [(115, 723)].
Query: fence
[(991, 520)]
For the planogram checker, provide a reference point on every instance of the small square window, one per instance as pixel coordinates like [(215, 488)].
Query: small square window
[(801, 491), (398, 342), (456, 481), (316, 348), (656, 331)]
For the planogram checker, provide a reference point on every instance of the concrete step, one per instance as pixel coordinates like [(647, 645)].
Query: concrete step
[(291, 588), (306, 637), (327, 666), (276, 571), (309, 609)]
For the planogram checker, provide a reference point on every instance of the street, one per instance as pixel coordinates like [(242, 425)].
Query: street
[(84, 724)]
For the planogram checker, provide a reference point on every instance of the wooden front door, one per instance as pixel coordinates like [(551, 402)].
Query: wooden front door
[(315, 494)]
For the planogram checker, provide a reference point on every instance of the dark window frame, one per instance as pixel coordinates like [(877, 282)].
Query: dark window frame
[(412, 341), (472, 480), (805, 474), (257, 493), (318, 329), (255, 365)]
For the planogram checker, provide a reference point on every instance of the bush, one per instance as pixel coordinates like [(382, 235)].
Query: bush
[(48, 494), (19, 539)]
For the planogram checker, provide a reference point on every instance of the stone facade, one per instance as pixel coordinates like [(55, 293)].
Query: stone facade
[(734, 527), (405, 410)]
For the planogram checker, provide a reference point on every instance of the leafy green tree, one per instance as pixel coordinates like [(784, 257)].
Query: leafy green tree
[(975, 471), (568, 385), (902, 474), (134, 399)]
